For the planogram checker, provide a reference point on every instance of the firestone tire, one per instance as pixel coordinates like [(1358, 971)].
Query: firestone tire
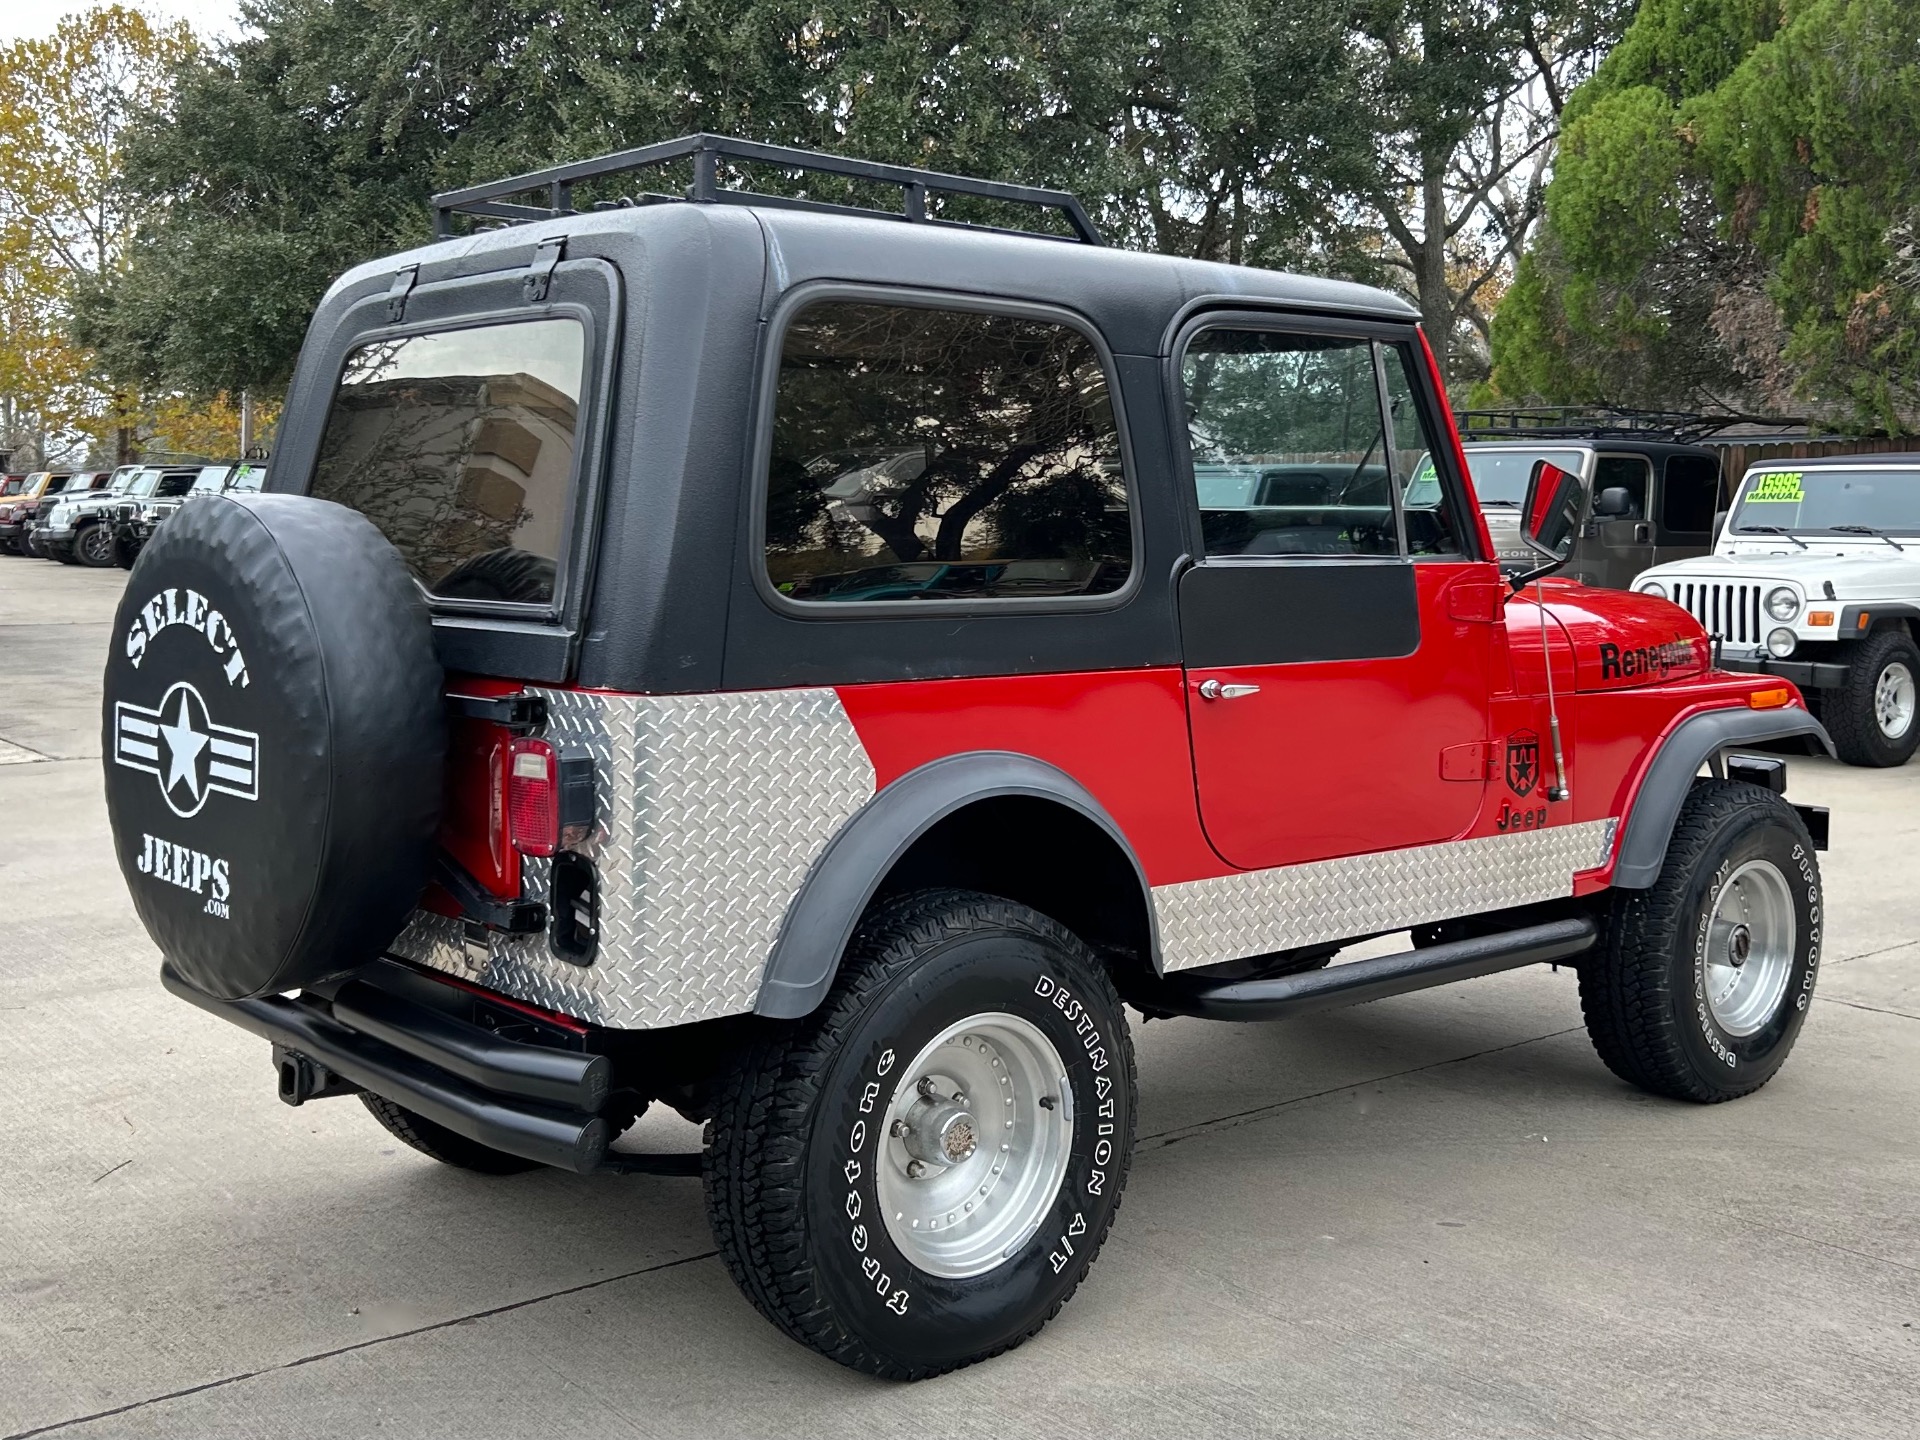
[(1873, 717), (809, 1139), (274, 742), (1701, 983), (439, 1143), (94, 546)]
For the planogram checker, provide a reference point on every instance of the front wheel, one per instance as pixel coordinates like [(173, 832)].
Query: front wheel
[(1702, 981), (1872, 717), (918, 1175), (94, 546)]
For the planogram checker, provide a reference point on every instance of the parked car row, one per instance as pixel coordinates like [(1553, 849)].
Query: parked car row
[(104, 517), (1812, 575)]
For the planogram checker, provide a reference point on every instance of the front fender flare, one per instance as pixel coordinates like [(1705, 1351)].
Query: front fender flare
[(1656, 806), (821, 919)]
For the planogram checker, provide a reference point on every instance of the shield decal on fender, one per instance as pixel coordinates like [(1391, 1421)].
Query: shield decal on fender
[(1523, 761)]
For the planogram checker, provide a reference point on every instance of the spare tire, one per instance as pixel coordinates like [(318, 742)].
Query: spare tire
[(273, 740)]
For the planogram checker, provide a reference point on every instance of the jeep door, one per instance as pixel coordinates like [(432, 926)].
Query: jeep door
[(1336, 639), (1615, 548), (1689, 494)]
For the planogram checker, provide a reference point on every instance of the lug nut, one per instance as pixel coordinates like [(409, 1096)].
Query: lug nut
[(899, 1129), (915, 1169), (926, 1088)]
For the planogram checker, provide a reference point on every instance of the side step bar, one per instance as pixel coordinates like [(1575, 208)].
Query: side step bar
[(569, 1139), (1358, 981)]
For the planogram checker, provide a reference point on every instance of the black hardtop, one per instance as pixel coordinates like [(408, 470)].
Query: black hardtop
[(1130, 295), (1612, 444), (665, 551)]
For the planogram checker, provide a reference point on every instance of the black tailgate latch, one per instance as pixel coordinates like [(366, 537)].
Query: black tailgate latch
[(534, 284), (398, 292)]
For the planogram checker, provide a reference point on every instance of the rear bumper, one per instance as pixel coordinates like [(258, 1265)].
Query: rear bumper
[(1807, 674), (535, 1101)]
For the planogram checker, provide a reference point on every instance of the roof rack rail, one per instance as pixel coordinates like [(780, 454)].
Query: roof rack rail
[(1602, 422), (493, 200)]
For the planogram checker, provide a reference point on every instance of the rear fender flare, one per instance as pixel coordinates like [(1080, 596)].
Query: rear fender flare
[(1656, 806), (821, 919)]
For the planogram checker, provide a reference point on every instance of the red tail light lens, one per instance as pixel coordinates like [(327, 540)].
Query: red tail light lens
[(533, 797)]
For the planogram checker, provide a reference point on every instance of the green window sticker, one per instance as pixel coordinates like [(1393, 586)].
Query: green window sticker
[(1783, 486)]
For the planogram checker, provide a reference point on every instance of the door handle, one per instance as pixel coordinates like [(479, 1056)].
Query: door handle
[(1215, 690), (1643, 534)]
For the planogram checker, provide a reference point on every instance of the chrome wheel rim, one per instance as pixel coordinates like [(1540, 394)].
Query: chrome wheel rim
[(976, 1142), (1893, 701), (1750, 942)]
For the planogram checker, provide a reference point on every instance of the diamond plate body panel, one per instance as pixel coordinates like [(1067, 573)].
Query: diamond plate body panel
[(711, 811), (1205, 922)]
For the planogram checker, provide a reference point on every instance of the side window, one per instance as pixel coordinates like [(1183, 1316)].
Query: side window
[(1625, 472), (1690, 495), (1289, 455), (458, 445), (926, 455), (1429, 508)]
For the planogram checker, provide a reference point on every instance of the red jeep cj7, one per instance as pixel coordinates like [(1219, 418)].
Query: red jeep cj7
[(810, 666)]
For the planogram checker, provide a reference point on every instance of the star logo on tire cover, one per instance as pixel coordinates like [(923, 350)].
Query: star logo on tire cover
[(190, 755)]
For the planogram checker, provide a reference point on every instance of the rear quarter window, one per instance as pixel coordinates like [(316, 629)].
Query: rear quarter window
[(459, 446), (927, 455)]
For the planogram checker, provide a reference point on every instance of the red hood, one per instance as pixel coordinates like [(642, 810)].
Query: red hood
[(1622, 640)]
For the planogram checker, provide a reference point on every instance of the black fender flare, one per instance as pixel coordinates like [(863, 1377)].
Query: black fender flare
[(821, 918), (1696, 740)]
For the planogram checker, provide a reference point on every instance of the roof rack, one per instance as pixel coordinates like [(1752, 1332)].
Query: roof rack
[(1603, 422), (493, 200)]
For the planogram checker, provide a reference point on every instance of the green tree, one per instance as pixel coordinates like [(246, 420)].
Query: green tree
[(1733, 219), (1218, 128)]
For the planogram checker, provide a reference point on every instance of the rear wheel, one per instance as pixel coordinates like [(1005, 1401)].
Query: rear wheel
[(918, 1175), (1702, 981), (435, 1140), (94, 546), (63, 553), (1874, 717)]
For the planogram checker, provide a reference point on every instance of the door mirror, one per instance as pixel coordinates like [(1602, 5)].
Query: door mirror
[(1613, 502), (1551, 516)]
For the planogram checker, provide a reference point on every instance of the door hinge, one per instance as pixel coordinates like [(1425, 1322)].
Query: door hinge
[(1476, 600), (539, 277), (398, 292), (1471, 761)]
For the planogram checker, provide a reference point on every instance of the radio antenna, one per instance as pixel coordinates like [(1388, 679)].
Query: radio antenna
[(1559, 790)]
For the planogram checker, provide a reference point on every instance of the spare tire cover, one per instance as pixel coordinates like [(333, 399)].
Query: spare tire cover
[(273, 740)]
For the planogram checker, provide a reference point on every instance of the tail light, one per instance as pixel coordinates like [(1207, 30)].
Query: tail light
[(549, 801), (533, 797)]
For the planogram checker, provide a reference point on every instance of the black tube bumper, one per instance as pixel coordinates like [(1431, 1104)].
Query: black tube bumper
[(1807, 674), (533, 1101)]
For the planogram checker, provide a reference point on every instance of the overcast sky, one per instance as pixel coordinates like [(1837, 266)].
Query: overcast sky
[(20, 18)]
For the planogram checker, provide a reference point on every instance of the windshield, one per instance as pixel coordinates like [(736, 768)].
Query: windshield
[(1822, 501), (12, 487), (247, 477), (122, 481), (144, 482), (212, 480), (1500, 476)]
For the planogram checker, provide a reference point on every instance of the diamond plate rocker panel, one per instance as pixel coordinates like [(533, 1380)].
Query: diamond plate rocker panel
[(1205, 922), (712, 809)]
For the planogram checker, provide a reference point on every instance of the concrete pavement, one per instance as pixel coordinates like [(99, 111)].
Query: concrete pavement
[(1432, 1216)]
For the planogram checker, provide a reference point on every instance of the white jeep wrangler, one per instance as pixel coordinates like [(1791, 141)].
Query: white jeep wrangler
[(1815, 577)]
